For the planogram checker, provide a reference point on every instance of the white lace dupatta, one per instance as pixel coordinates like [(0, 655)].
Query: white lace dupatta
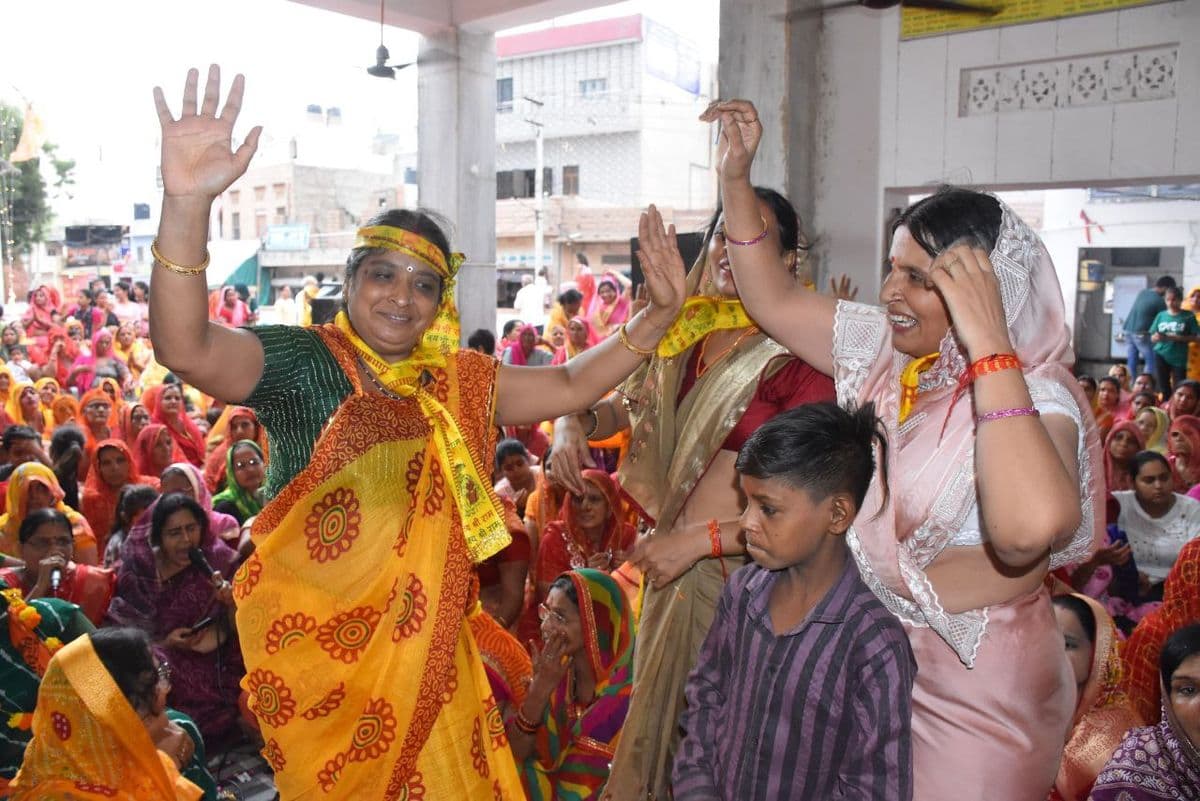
[(933, 482)]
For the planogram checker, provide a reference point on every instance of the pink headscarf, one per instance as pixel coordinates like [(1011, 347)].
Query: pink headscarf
[(933, 477), (518, 355), (569, 351), (618, 312)]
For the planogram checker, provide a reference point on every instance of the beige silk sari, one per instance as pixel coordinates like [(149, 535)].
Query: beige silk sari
[(673, 445)]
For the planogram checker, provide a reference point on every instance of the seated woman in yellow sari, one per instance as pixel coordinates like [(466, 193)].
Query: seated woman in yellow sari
[(361, 668), (34, 486), (100, 729), (567, 728)]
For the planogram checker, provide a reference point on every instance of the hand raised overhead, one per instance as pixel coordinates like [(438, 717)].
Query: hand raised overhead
[(198, 159)]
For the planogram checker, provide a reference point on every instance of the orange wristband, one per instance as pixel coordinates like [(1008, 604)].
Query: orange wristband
[(993, 364), (714, 537)]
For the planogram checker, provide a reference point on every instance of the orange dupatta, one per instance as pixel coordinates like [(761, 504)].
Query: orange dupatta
[(88, 742)]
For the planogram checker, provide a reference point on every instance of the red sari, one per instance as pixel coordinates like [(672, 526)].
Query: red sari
[(186, 434), (143, 450), (99, 500), (87, 586), (563, 544)]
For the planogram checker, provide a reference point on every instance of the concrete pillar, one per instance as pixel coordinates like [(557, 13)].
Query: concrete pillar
[(456, 158), (816, 81)]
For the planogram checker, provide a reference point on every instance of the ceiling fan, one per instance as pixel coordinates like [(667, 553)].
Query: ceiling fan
[(381, 69), (952, 6)]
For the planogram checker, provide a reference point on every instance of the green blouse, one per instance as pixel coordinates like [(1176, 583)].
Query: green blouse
[(301, 387)]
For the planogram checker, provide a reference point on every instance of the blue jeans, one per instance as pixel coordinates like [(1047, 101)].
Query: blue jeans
[(1140, 345)]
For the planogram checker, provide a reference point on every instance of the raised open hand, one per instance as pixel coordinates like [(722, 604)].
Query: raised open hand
[(740, 134), (198, 158), (658, 253)]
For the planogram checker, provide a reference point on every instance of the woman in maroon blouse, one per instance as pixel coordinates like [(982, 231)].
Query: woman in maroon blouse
[(689, 414)]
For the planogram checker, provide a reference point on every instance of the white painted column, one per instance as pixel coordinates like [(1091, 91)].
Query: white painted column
[(456, 158), (816, 82)]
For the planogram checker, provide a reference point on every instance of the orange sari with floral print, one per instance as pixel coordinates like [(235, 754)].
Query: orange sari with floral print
[(361, 667)]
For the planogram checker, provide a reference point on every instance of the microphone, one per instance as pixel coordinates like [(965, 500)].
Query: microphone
[(196, 557), (56, 579)]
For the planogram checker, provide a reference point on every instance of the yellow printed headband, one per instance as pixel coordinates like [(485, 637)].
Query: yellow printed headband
[(387, 237)]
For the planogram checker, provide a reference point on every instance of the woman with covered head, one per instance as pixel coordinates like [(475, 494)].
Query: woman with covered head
[(590, 532), (610, 307), (352, 614), (1103, 712), (155, 450), (526, 350), (112, 468), (39, 319), (565, 731), (715, 379), (967, 359), (24, 407), (101, 728), (102, 362), (580, 337), (236, 423), (164, 591), (165, 402), (34, 486), (1183, 449), (1162, 762), (1124, 442)]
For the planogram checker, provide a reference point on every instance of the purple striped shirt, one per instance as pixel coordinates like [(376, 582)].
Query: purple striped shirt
[(823, 711)]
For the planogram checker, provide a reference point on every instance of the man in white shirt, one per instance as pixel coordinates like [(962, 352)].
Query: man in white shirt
[(530, 302)]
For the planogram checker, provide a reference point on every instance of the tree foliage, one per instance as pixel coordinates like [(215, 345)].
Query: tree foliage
[(23, 185)]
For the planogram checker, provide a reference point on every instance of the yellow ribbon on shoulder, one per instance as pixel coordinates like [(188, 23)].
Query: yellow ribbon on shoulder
[(910, 380), (482, 519), (701, 315)]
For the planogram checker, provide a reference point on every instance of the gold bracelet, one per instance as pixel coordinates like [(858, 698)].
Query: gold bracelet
[(623, 336), (178, 269)]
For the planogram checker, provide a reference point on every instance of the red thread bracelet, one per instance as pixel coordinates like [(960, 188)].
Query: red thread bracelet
[(714, 537)]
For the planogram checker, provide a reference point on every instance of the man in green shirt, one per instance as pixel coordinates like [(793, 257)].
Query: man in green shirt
[(1171, 332), (1146, 305)]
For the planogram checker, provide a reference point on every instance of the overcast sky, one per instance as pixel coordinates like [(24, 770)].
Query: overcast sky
[(88, 67)]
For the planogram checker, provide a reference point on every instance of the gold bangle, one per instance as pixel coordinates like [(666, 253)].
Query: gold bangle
[(623, 336), (178, 269)]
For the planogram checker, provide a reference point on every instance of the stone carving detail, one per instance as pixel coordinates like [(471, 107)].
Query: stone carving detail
[(1144, 74)]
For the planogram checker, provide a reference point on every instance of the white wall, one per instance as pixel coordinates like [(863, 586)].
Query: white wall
[(1069, 141), (1156, 224)]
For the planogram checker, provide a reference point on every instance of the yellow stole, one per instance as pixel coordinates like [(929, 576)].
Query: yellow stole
[(701, 315), (482, 520), (910, 379)]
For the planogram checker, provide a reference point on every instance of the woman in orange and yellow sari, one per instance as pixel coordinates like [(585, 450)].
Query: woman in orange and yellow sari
[(361, 667), (100, 728)]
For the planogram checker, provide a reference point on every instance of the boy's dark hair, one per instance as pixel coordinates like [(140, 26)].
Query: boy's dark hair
[(509, 447), (1109, 379), (125, 654), (570, 296), (14, 433), (1165, 282), (64, 437), (1173, 291), (820, 448), (1183, 643), (1144, 458), (132, 496), (36, 520), (483, 341)]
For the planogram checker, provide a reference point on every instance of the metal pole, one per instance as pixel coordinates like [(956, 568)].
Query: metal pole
[(538, 207)]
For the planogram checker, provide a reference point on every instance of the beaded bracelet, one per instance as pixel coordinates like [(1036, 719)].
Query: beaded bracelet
[(761, 236), (623, 335), (1001, 414), (524, 724), (178, 269), (714, 537)]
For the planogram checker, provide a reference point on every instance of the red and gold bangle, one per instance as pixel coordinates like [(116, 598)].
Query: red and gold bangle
[(523, 724), (714, 537)]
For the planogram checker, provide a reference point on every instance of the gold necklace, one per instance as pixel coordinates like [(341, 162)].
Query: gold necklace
[(704, 365)]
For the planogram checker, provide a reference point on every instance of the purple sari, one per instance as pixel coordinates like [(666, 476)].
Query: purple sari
[(1155, 763), (203, 686)]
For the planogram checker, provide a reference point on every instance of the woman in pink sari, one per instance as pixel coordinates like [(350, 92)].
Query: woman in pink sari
[(580, 337), (994, 472), (609, 309), (39, 319), (233, 312)]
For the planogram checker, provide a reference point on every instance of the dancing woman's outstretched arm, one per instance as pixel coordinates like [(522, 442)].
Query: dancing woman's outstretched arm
[(798, 318), (198, 164)]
